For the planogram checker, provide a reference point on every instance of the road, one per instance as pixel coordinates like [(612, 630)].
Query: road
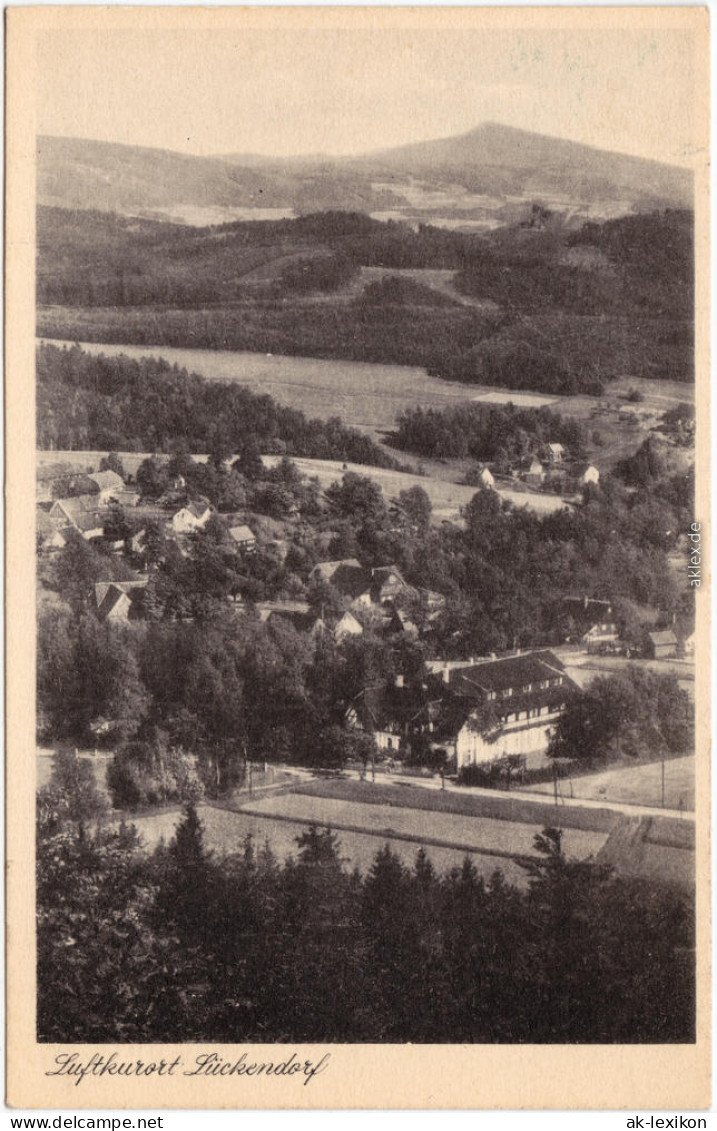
[(519, 795)]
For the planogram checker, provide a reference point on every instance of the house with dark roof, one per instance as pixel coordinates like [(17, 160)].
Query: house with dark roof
[(347, 576), (387, 584), (502, 707), (390, 714), (478, 712), (401, 624), (117, 600)]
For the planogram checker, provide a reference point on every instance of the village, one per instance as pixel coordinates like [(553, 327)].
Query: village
[(435, 719)]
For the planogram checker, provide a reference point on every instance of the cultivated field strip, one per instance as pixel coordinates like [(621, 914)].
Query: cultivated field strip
[(447, 830)]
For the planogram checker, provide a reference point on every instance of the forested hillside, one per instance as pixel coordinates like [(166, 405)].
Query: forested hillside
[(543, 307), (87, 402)]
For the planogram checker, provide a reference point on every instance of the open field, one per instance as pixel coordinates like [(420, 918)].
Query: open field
[(634, 785), (446, 497), (520, 400), (371, 396), (226, 832), (364, 395), (484, 833), (492, 805)]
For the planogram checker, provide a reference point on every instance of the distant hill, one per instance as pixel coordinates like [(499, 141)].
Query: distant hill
[(483, 179), (495, 159)]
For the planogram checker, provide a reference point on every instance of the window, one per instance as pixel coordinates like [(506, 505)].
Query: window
[(544, 683)]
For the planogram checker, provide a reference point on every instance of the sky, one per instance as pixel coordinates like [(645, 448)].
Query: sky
[(288, 92)]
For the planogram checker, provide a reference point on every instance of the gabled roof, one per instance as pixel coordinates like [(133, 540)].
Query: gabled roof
[(88, 520), (556, 448), (292, 610), (76, 504), (197, 509), (242, 534), (511, 671), (666, 636), (348, 576), (381, 574), (106, 480), (112, 598), (102, 587), (326, 570)]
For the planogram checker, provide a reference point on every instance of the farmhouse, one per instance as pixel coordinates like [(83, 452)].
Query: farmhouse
[(555, 453), (485, 478), (189, 518), (347, 576), (387, 584), (49, 535), (376, 712), (108, 484), (662, 645), (347, 625), (79, 513), (115, 600)]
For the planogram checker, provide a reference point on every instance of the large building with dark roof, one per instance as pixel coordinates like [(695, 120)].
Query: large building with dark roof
[(508, 706)]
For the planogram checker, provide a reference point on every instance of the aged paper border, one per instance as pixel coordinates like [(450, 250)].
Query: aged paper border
[(358, 1076)]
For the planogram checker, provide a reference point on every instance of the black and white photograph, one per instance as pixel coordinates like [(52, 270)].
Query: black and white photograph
[(369, 502)]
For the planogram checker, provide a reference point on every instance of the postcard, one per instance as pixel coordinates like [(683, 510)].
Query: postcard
[(357, 558)]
